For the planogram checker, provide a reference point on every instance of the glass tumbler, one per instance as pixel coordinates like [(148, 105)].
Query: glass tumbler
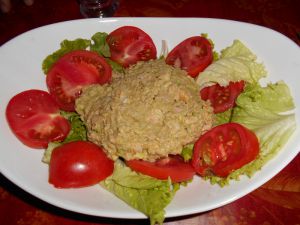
[(98, 8)]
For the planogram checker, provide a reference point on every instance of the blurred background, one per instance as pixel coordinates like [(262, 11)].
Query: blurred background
[(280, 15)]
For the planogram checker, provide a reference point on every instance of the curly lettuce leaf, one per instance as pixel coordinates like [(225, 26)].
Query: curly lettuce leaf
[(65, 47), (78, 132), (236, 63), (146, 194), (97, 44), (268, 112)]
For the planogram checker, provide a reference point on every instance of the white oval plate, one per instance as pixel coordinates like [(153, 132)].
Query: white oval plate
[(21, 59)]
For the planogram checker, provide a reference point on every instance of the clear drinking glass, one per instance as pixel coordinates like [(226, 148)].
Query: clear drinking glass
[(98, 8)]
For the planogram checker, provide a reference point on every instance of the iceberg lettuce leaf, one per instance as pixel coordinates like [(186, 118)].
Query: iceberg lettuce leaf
[(236, 63), (268, 112), (146, 194)]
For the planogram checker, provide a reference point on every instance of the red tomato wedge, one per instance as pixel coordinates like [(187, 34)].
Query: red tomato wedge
[(34, 118), (129, 44), (193, 54), (223, 149), (79, 164), (222, 98), (172, 166), (72, 72)]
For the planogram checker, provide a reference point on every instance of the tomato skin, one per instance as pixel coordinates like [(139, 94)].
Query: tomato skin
[(223, 149), (129, 44), (79, 164), (34, 118), (72, 72), (172, 166), (222, 98), (193, 54)]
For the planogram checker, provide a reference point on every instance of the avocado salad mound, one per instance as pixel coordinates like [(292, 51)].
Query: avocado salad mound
[(154, 105)]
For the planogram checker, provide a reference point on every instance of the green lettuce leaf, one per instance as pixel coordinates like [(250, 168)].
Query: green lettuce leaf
[(97, 44), (223, 117), (65, 47), (146, 194), (115, 66), (187, 152), (78, 132), (261, 106), (236, 63), (215, 53), (268, 112), (78, 129), (100, 45)]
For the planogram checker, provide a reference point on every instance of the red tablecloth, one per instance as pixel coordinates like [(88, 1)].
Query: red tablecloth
[(276, 202)]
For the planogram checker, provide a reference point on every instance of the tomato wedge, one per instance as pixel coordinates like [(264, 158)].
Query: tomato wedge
[(172, 166), (129, 44), (34, 118), (223, 149), (222, 98), (193, 54), (78, 164), (72, 72)]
